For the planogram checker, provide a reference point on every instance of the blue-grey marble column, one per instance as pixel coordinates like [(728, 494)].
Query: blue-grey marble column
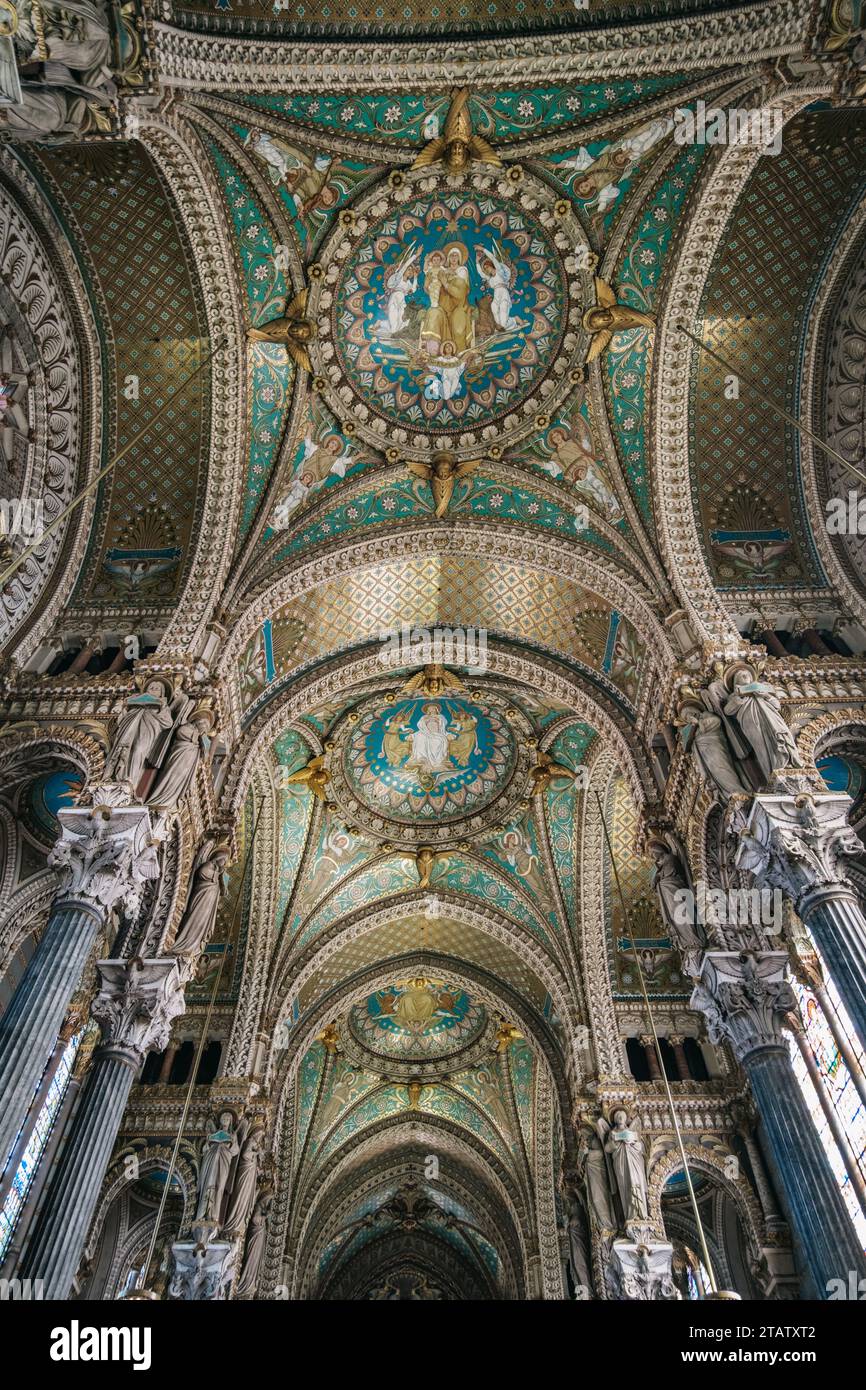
[(836, 923), (135, 1007), (104, 856), (745, 997), (31, 1023)]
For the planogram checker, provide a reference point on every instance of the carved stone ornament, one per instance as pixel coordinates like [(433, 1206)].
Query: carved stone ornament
[(106, 855), (796, 843), (201, 1272), (744, 998), (642, 1272), (136, 1004)]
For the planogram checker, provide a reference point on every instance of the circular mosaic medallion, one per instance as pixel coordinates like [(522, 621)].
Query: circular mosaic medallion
[(448, 312), (429, 757), (424, 769), (419, 1019)]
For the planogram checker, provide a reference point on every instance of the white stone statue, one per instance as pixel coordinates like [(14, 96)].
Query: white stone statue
[(148, 717), (174, 778), (578, 1242), (625, 1149), (671, 883), (592, 1163), (246, 1179), (219, 1151), (206, 889), (755, 706), (257, 1235), (715, 755)]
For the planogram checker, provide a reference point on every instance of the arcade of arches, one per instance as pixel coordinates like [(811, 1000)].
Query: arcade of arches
[(432, 649)]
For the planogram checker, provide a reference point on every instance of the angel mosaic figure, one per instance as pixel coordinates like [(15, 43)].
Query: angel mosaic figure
[(609, 317)]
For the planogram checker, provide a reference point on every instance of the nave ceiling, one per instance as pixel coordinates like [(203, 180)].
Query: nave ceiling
[(433, 918)]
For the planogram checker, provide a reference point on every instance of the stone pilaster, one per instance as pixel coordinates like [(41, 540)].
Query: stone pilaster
[(745, 997), (134, 1007), (105, 856)]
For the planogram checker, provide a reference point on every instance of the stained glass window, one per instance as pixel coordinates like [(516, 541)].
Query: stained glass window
[(838, 1087), (31, 1156)]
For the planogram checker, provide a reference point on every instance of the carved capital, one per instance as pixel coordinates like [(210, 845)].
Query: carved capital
[(105, 855), (642, 1271), (744, 997), (136, 1003), (797, 842)]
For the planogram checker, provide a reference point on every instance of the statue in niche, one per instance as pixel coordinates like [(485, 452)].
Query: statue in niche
[(670, 880), (578, 1238), (756, 708), (206, 889), (624, 1146), (714, 752)]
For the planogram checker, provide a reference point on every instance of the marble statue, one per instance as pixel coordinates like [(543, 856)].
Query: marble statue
[(148, 717), (243, 1194), (755, 706), (174, 778), (218, 1153), (578, 1242), (715, 755), (592, 1163), (257, 1235), (625, 1148), (206, 889), (672, 886)]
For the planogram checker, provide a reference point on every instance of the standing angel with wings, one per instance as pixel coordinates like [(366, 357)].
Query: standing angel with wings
[(498, 276)]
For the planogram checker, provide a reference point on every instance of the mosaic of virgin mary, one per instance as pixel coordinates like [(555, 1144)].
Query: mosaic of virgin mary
[(447, 314)]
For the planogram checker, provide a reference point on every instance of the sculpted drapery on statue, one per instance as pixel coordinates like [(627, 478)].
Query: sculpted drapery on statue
[(244, 1185), (592, 1165), (64, 52), (625, 1148), (220, 1150), (755, 706), (174, 778), (257, 1235), (206, 889), (147, 720)]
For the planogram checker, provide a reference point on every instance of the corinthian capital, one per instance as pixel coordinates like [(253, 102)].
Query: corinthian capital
[(797, 842), (744, 997), (136, 1003), (106, 854)]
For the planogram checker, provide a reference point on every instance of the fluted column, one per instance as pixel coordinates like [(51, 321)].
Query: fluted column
[(798, 842), (134, 1007), (105, 855), (745, 998)]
